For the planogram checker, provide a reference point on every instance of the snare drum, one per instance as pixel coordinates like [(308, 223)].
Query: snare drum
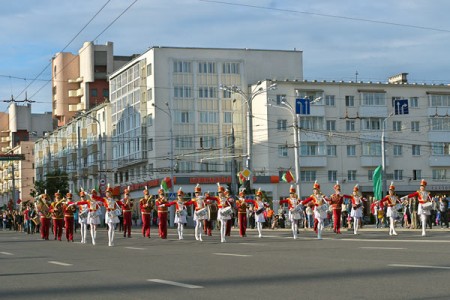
[(427, 205), (226, 212), (201, 213)]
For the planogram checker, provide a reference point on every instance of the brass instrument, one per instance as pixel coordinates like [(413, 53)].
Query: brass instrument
[(58, 211), (147, 203), (43, 207)]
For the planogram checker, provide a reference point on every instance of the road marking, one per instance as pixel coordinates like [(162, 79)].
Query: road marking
[(59, 263), (252, 244), (6, 253), (231, 254), (188, 286), (135, 248), (419, 266), (394, 240), (382, 248)]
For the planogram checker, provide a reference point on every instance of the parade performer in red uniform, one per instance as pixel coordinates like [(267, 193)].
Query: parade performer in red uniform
[(180, 213), (391, 201), (93, 217), (69, 208), (43, 207), (230, 200), (224, 212), (320, 209), (295, 208), (57, 211), (425, 203), (146, 206), (83, 216), (127, 206), (162, 213), (211, 218), (259, 207), (200, 211), (242, 207), (357, 208), (336, 201)]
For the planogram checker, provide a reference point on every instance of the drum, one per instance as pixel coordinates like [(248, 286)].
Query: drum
[(227, 211), (84, 214), (98, 212), (117, 212), (297, 209), (322, 208), (260, 211), (427, 205), (398, 206), (201, 213), (212, 212), (182, 213)]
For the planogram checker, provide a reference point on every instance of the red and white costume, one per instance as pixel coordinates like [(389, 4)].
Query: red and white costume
[(43, 208), (146, 207), (127, 206), (259, 207), (69, 208), (200, 211), (83, 210), (162, 213), (93, 218), (113, 210), (336, 200), (357, 208), (320, 209), (180, 213), (242, 207), (391, 201), (295, 210), (57, 211), (424, 209)]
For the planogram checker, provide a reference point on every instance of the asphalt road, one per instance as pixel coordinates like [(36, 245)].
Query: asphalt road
[(370, 265)]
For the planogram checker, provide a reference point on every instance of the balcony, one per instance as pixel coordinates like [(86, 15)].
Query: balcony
[(372, 161), (76, 107), (313, 161), (92, 148), (439, 161), (76, 93)]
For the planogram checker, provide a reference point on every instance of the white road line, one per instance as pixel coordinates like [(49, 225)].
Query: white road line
[(6, 253), (135, 248), (394, 240), (419, 266), (59, 263), (188, 286), (231, 254), (381, 248)]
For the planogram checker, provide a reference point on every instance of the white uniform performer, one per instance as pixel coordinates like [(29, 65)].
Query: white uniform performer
[(320, 208), (224, 213), (357, 208), (295, 210), (93, 217), (180, 213), (391, 201), (425, 203), (200, 211), (113, 210), (83, 216), (259, 206)]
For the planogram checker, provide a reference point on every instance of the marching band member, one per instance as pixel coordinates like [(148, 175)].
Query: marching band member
[(180, 212), (230, 221), (336, 201), (357, 207), (211, 218), (199, 211), (146, 206), (95, 211), (391, 201), (424, 198), (43, 208), (259, 207), (162, 213), (69, 209), (83, 216), (113, 211), (57, 211), (127, 206), (320, 209), (242, 213), (295, 210), (223, 214)]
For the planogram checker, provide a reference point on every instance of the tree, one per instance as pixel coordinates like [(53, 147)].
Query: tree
[(55, 181)]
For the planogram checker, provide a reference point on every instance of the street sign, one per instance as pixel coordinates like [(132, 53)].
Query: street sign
[(246, 173), (302, 106), (8, 157), (401, 107), (172, 196)]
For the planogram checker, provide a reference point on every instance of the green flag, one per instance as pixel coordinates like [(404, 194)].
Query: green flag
[(377, 183)]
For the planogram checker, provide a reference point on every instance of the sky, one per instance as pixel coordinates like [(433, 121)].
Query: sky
[(341, 40)]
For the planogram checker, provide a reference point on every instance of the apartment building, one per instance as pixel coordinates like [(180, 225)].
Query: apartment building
[(341, 137)]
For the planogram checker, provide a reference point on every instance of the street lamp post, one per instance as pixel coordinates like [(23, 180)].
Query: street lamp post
[(248, 99), (383, 154)]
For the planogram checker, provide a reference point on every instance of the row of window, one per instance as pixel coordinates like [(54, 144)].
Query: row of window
[(205, 67)]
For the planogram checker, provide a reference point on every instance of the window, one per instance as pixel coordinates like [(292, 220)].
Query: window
[(350, 125), (439, 174), (150, 145), (94, 93), (105, 93), (440, 124), (150, 120), (329, 100), (230, 68), (397, 125), (207, 92), (185, 166), (414, 102), (312, 149), (332, 176), (307, 176), (184, 142), (182, 67), (349, 100), (415, 150), (149, 69), (280, 98), (398, 150), (370, 175), (282, 125), (226, 94), (331, 125), (440, 148), (417, 174), (372, 124), (209, 117), (228, 117), (351, 150), (398, 174), (351, 175), (415, 126), (311, 123), (331, 150), (182, 92), (209, 142), (207, 67), (373, 99), (440, 100), (183, 117), (371, 149), (282, 151)]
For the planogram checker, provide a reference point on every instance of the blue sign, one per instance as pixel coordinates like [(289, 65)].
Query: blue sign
[(401, 107), (302, 106), (172, 196)]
